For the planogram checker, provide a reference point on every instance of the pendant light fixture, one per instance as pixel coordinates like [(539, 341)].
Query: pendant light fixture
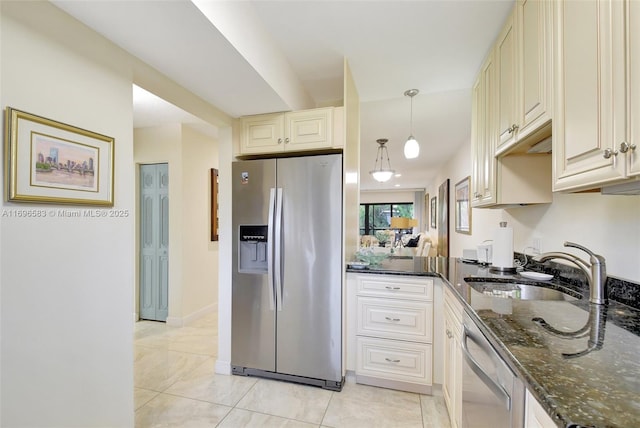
[(411, 147), (379, 172)]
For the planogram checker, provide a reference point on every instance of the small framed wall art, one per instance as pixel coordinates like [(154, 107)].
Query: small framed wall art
[(463, 207), (434, 212), (52, 162)]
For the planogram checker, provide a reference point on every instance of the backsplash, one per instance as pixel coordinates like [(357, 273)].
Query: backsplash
[(620, 290)]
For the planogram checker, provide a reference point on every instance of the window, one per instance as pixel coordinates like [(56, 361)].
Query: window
[(375, 217)]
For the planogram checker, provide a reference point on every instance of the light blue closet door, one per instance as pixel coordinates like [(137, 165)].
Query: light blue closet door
[(154, 242)]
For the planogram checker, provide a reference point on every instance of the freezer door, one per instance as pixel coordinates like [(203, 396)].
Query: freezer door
[(253, 319), (309, 315)]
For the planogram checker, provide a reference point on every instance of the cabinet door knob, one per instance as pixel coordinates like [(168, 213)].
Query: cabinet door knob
[(286, 140), (608, 153), (279, 140), (449, 335), (625, 147)]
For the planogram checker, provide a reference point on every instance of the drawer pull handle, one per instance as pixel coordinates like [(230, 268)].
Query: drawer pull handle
[(391, 288), (392, 361), (392, 319)]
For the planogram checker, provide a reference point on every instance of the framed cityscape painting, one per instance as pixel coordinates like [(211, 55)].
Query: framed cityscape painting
[(52, 162)]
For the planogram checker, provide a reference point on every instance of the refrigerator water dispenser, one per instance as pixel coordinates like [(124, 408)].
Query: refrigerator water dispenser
[(253, 249)]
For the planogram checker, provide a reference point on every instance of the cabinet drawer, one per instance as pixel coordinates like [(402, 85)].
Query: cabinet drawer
[(394, 360), (404, 288), (395, 319)]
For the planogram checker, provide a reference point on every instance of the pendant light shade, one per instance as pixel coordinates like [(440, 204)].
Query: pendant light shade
[(380, 172), (411, 147)]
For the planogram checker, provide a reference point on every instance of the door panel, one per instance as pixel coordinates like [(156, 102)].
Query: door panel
[(252, 321), (154, 242), (309, 322)]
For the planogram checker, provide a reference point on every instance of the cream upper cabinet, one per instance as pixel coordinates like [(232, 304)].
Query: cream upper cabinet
[(483, 136), (505, 56), (509, 108), (524, 75), (596, 94), (632, 148), (535, 67), (292, 131), (262, 133)]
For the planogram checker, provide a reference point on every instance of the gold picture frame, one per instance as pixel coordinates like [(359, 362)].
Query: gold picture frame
[(434, 212), (51, 162), (426, 211), (214, 204), (463, 206)]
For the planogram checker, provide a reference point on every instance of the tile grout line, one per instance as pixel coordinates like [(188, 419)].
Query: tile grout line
[(324, 415)]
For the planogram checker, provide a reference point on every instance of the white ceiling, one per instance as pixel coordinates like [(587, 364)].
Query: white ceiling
[(235, 55)]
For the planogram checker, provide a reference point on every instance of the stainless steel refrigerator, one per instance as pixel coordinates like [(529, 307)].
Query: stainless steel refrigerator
[(288, 269)]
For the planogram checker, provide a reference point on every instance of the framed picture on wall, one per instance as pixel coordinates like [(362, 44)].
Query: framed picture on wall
[(462, 206), (52, 162), (443, 219), (214, 204), (434, 212), (426, 211)]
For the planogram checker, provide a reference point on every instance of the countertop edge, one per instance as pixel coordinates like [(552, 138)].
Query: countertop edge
[(535, 388)]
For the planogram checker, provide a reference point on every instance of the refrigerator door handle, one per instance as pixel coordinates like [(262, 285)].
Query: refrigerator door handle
[(270, 245), (278, 249)]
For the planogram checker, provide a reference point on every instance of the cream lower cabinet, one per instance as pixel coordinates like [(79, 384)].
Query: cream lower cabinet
[(535, 415), (394, 332), (313, 129), (452, 380), (596, 120)]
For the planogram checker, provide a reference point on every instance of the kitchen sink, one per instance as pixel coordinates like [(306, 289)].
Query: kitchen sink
[(519, 291)]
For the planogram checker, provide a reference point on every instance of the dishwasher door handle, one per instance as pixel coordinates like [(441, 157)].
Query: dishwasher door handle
[(497, 389)]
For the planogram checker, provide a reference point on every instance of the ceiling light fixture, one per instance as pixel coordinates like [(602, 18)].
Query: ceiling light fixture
[(380, 173), (411, 147)]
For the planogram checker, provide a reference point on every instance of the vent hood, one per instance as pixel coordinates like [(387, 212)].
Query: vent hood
[(629, 188)]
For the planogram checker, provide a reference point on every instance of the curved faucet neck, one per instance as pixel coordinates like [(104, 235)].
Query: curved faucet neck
[(595, 270)]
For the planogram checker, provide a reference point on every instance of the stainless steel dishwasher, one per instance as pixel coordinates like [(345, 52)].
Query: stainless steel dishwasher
[(492, 395)]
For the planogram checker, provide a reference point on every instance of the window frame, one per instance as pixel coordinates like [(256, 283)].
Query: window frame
[(367, 228)]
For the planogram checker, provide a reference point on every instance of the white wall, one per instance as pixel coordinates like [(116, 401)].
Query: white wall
[(223, 362), (162, 145), (193, 258), (65, 283), (607, 225), (200, 255)]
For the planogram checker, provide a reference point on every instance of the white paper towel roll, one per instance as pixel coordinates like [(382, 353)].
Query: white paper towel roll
[(503, 247)]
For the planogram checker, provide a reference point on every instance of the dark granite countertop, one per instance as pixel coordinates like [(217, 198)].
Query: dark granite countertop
[(595, 384)]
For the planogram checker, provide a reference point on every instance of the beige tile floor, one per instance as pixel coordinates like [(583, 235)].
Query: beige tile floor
[(175, 386)]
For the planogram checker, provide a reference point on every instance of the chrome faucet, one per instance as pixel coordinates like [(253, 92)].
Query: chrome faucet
[(595, 270)]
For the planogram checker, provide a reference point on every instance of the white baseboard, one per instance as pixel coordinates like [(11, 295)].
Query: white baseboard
[(174, 321), (223, 367), (180, 322), (200, 313)]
